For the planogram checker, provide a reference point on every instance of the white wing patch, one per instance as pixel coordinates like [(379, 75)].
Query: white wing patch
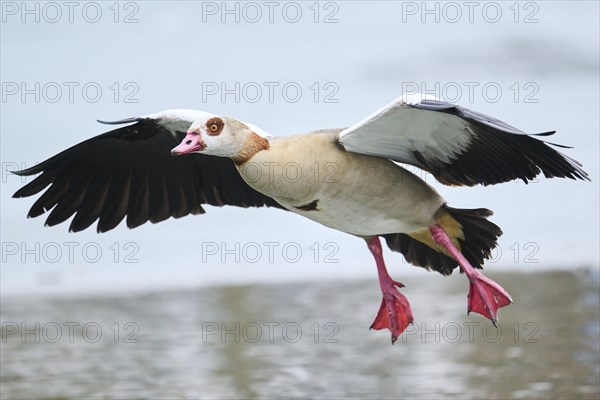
[(180, 120), (398, 130), (410, 99), (177, 120)]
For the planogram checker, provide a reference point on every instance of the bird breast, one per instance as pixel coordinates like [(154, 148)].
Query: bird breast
[(315, 177)]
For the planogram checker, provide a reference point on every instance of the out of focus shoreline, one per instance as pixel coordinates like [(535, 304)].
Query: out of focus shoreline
[(54, 289)]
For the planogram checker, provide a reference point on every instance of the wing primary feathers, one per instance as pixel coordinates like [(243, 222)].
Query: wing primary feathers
[(35, 186), (457, 145), (70, 203), (115, 210), (92, 205), (549, 133), (50, 198), (121, 121), (129, 173), (138, 213)]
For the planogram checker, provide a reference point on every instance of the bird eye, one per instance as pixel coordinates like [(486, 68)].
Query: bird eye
[(214, 126)]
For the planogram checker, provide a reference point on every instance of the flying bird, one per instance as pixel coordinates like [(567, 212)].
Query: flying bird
[(171, 163)]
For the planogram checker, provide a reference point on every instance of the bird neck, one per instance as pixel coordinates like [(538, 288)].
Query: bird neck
[(252, 145)]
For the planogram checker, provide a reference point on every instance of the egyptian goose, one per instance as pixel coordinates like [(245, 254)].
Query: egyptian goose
[(346, 179)]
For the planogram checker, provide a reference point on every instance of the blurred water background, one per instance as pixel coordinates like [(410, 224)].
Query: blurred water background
[(535, 66), (307, 340)]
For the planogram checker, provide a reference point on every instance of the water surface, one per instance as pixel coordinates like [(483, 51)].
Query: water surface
[(307, 340)]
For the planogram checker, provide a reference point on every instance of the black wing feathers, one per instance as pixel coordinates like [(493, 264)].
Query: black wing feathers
[(498, 153), (129, 172)]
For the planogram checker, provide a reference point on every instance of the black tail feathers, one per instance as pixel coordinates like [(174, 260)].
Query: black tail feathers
[(480, 237)]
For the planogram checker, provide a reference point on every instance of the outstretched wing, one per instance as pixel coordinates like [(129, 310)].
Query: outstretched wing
[(129, 172), (457, 145)]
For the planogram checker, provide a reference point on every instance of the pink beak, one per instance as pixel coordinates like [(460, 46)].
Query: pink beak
[(192, 142)]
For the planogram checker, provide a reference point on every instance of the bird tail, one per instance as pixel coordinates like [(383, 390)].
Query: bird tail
[(469, 230)]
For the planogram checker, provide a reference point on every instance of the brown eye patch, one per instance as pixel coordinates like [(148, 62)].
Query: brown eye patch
[(214, 126)]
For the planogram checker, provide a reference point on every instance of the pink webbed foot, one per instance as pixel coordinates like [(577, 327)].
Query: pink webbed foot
[(486, 297), (394, 313)]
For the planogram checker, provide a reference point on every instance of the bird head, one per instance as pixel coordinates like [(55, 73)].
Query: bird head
[(214, 135)]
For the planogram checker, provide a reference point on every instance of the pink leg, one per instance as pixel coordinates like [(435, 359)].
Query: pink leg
[(394, 313), (485, 295)]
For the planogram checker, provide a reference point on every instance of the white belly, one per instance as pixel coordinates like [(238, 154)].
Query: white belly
[(358, 220)]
